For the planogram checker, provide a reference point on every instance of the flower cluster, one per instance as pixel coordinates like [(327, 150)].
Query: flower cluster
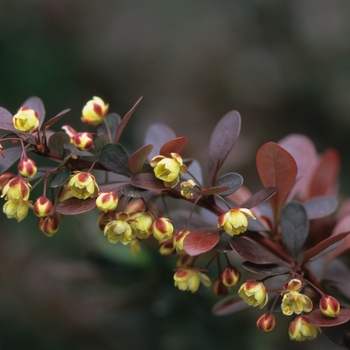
[(156, 194)]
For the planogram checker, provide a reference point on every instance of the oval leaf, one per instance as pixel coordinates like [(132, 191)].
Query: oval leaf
[(57, 141), (38, 106), (138, 158), (6, 120), (158, 134), (201, 241), (55, 119), (224, 245), (259, 197), (133, 192), (213, 190), (73, 206), (60, 178), (317, 319), (294, 227), (113, 120), (125, 120), (114, 157), (324, 247), (173, 146), (222, 140), (233, 180), (147, 181), (230, 305), (254, 252), (320, 207), (265, 269), (99, 141), (276, 168), (11, 155)]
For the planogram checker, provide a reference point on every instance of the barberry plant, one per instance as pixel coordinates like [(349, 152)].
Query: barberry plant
[(290, 234)]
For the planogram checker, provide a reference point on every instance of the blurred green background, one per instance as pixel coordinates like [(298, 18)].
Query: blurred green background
[(284, 65)]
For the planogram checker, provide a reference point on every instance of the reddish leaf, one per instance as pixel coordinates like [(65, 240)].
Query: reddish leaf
[(266, 269), (125, 120), (147, 181), (6, 120), (325, 179), (254, 252), (320, 206), (11, 155), (222, 140), (230, 305), (73, 206), (319, 320), (38, 106), (55, 119), (276, 168), (201, 241), (213, 190), (133, 192), (324, 247), (173, 146), (138, 158), (259, 197)]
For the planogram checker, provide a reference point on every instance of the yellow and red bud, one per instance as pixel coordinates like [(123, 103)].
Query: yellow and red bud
[(179, 240), (42, 207), (26, 119), (166, 248), (219, 288), (94, 111), (27, 167), (301, 329), (266, 322), (5, 178), (16, 209), (83, 141), (254, 293), (329, 306), (107, 201), (230, 276), (50, 224), (16, 188), (70, 132), (162, 229), (235, 221), (83, 185)]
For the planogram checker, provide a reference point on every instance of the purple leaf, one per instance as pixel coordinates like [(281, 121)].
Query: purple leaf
[(133, 192), (294, 227), (11, 156), (222, 140), (114, 157), (57, 141), (233, 180), (147, 181), (230, 305), (319, 320), (259, 197), (73, 206), (6, 120), (55, 119), (213, 190), (138, 158), (125, 120), (201, 241), (320, 207), (265, 269), (173, 146)]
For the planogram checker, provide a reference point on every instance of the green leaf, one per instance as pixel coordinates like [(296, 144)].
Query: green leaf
[(99, 141), (294, 227), (60, 178), (233, 180), (114, 157), (113, 120)]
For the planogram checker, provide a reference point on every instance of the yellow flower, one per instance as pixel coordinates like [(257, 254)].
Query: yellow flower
[(168, 169), (119, 230), (189, 279), (186, 188), (329, 306), (179, 238), (293, 301), (16, 209), (16, 188), (254, 293), (235, 221), (83, 185), (141, 223), (107, 201), (301, 329), (162, 229), (26, 120), (266, 322), (83, 141), (94, 111)]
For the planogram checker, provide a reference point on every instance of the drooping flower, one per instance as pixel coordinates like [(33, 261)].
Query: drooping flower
[(26, 119), (235, 221), (220, 289), (94, 111), (16, 209), (83, 185), (16, 188), (254, 293), (119, 230), (42, 207), (230, 276), (162, 229), (293, 301), (27, 167), (141, 222), (179, 238), (50, 224), (301, 329), (83, 141), (168, 169), (329, 306), (266, 322), (107, 201), (189, 279)]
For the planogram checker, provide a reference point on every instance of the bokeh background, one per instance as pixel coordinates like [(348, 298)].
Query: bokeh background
[(284, 65)]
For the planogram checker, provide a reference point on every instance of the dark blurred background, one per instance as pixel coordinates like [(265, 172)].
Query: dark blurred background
[(284, 65)]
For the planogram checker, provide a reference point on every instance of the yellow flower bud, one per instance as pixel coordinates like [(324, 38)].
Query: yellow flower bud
[(329, 306), (83, 141), (301, 329), (254, 293), (230, 276), (168, 169), (166, 248), (27, 167), (83, 185), (179, 240), (42, 207), (219, 288), (50, 224), (235, 221), (266, 322), (5, 178), (94, 111), (107, 201), (16, 188), (16, 209), (189, 279), (162, 229), (26, 120)]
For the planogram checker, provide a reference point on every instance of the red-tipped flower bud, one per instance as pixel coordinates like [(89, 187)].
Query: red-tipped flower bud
[(219, 288), (107, 201), (266, 322), (42, 207), (26, 120), (162, 229), (230, 276), (83, 141), (27, 167), (329, 306)]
